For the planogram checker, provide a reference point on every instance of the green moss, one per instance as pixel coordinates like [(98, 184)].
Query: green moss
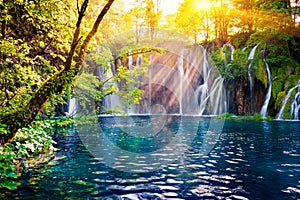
[(279, 99), (281, 73), (257, 117), (298, 71), (270, 118), (276, 88), (292, 80), (261, 73), (286, 113), (226, 115)]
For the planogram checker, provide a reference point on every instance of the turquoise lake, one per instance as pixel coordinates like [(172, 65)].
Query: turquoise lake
[(248, 160)]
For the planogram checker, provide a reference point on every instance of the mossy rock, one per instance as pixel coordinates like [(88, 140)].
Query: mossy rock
[(261, 73), (293, 79), (276, 88), (281, 73), (280, 97), (298, 71), (286, 113)]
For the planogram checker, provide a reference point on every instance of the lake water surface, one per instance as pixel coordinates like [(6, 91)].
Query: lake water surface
[(249, 160)]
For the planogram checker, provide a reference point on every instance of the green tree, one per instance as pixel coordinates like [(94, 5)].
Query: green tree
[(19, 117), (244, 15), (188, 19)]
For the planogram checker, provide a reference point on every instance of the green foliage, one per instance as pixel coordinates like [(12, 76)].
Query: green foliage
[(32, 47), (276, 87), (279, 99), (29, 141), (230, 69), (278, 46), (240, 64), (7, 169), (292, 80), (270, 118), (217, 55), (86, 119), (261, 73), (87, 90), (240, 40), (257, 117), (226, 115), (90, 88)]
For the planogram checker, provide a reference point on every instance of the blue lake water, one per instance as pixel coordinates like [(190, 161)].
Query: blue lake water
[(248, 160)]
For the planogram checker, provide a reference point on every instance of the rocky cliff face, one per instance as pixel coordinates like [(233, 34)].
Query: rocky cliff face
[(238, 92)]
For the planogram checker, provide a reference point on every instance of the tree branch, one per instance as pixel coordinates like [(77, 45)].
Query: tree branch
[(75, 41), (92, 33)]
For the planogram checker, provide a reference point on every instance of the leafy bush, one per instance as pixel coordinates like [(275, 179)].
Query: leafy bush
[(28, 142), (257, 117), (226, 115)]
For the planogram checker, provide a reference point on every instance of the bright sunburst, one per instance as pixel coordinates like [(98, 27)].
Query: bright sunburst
[(203, 4)]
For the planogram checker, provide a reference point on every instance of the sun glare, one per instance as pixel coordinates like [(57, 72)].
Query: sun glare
[(203, 4)]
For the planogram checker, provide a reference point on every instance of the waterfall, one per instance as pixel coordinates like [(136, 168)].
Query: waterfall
[(212, 96), (149, 85), (218, 99), (251, 57), (252, 53), (181, 77), (130, 60), (139, 60), (182, 82), (72, 107), (133, 109), (110, 101), (202, 91), (296, 105), (232, 49), (280, 114), (130, 63), (264, 108)]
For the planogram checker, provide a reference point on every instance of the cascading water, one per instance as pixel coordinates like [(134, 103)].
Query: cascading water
[(130, 63), (110, 102), (134, 109), (264, 108), (218, 99), (181, 77), (228, 63), (214, 96), (182, 81), (202, 91), (139, 60), (296, 111), (251, 57), (72, 107), (130, 60), (149, 84), (232, 49), (296, 105)]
